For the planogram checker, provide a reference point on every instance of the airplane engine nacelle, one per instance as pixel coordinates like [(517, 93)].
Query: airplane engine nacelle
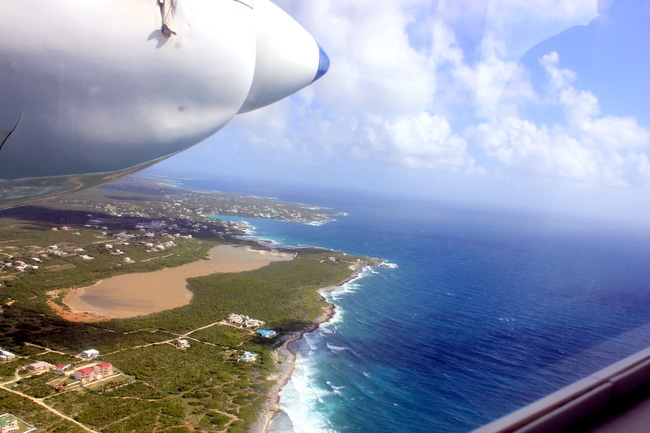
[(91, 91)]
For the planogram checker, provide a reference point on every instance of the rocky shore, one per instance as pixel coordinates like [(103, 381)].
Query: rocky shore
[(287, 358)]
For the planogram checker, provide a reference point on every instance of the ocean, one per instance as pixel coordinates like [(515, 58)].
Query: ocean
[(483, 311)]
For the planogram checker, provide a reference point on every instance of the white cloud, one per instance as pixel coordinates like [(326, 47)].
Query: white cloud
[(404, 73), (374, 68), (376, 101), (511, 28), (419, 140), (587, 148)]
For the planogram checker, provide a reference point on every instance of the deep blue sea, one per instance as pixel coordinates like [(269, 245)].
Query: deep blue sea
[(485, 312)]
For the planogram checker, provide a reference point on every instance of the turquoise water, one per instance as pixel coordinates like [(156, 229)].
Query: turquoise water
[(484, 312)]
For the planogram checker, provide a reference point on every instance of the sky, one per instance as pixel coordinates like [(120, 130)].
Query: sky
[(536, 104)]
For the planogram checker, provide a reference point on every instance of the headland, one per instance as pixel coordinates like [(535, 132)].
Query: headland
[(178, 366)]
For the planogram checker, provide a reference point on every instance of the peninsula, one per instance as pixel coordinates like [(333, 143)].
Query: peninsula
[(73, 359)]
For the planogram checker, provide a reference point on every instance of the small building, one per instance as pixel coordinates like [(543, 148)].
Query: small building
[(8, 423), (236, 319), (253, 323), (6, 356), (39, 366), (61, 368), (103, 369), (244, 321), (85, 374), (90, 353), (248, 357), (182, 344)]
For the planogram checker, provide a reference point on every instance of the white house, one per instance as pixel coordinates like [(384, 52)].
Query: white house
[(182, 344), (90, 353), (248, 357), (6, 356), (40, 366)]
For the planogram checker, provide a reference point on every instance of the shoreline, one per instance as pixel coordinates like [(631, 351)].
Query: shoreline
[(285, 354), (287, 350)]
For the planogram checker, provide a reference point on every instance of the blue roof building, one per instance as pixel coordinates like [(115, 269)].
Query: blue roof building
[(266, 333)]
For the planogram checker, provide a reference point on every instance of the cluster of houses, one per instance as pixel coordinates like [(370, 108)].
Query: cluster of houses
[(154, 248), (246, 322), (19, 265), (147, 239), (33, 263), (84, 375), (62, 228), (28, 263), (96, 372)]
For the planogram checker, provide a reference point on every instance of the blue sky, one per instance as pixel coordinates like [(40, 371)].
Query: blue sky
[(537, 104)]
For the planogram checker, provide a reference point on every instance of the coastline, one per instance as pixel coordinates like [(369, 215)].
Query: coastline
[(74, 309), (272, 407), (287, 351)]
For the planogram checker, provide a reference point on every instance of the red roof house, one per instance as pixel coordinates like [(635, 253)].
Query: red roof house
[(103, 369), (85, 374)]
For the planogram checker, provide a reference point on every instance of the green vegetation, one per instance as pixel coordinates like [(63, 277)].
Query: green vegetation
[(205, 387)]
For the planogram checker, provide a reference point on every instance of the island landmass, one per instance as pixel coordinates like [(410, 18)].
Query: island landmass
[(212, 360)]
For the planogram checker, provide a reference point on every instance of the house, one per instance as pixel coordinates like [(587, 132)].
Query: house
[(90, 353), (6, 356), (245, 321), (39, 366), (103, 369), (85, 374), (248, 357), (253, 323), (8, 423), (236, 319), (182, 344), (61, 368)]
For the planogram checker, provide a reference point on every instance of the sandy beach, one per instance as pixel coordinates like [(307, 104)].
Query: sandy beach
[(138, 294), (144, 293), (287, 363)]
